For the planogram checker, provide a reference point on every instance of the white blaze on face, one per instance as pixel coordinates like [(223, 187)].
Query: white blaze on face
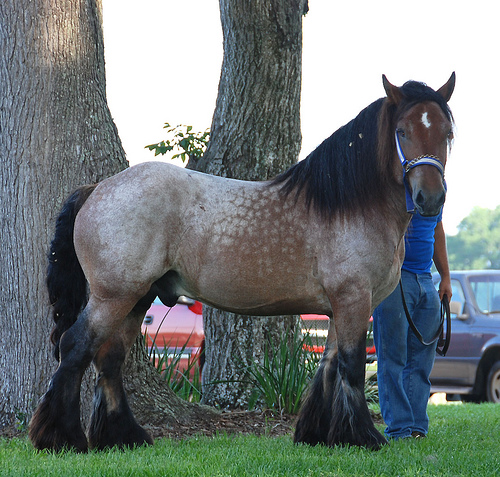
[(425, 120)]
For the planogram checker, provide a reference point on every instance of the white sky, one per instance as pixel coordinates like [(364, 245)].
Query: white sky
[(163, 61)]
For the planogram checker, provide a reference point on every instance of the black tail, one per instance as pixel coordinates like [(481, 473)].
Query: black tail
[(65, 279)]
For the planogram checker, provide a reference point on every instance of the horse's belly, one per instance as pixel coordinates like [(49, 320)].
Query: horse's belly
[(253, 292)]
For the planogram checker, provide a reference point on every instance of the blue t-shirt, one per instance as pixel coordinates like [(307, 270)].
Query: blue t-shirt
[(419, 243)]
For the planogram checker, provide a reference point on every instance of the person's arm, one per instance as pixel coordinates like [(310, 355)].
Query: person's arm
[(441, 261)]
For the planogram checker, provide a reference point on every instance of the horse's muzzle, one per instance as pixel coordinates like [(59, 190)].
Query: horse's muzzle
[(429, 204)]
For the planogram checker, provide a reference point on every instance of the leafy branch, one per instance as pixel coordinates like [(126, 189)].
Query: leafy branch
[(182, 139)]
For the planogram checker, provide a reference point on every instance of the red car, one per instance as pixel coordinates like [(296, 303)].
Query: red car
[(177, 330), (317, 327)]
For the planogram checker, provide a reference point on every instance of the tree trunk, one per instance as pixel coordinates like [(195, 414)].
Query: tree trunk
[(56, 133), (152, 401), (255, 134)]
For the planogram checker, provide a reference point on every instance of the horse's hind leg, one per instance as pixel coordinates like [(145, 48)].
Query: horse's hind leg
[(56, 421), (112, 422)]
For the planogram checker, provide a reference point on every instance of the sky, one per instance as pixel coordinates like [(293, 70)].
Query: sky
[(163, 60)]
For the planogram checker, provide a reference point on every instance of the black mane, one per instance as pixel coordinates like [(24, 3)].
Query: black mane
[(341, 170), (353, 168)]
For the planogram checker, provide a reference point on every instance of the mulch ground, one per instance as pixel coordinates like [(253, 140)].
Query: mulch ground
[(258, 423)]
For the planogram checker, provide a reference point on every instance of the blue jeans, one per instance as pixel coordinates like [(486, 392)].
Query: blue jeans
[(403, 363)]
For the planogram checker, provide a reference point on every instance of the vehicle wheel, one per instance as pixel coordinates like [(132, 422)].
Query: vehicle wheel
[(493, 384)]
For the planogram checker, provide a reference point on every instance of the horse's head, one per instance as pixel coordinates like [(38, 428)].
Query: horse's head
[(423, 130)]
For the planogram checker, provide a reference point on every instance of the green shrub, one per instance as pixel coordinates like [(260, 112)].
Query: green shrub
[(185, 382), (282, 379), (279, 382)]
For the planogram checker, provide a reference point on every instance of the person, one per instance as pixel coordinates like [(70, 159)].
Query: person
[(404, 364)]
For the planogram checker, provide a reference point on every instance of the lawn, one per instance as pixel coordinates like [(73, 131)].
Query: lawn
[(464, 440)]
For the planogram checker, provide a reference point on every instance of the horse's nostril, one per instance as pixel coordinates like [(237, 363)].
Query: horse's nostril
[(443, 198), (420, 199)]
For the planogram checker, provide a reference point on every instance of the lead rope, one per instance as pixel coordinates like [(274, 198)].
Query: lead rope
[(443, 341)]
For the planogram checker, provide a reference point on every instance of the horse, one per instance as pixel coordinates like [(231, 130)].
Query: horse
[(326, 237)]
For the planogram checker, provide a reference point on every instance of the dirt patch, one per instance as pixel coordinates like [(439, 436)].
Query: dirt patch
[(11, 431), (258, 423)]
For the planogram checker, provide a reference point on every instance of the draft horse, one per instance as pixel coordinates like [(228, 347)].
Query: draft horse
[(324, 237)]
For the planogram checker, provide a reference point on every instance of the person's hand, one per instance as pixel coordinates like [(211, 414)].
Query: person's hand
[(445, 288)]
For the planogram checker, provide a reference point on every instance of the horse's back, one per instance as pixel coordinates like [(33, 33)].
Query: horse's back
[(227, 240)]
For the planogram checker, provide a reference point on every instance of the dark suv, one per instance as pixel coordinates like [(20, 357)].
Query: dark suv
[(471, 368)]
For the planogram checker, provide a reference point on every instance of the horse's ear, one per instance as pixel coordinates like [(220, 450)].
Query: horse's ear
[(447, 89), (393, 92)]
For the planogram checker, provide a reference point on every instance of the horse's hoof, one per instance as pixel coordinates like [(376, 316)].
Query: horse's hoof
[(47, 430), (55, 441), (137, 439), (115, 429), (309, 436), (376, 444), (371, 440)]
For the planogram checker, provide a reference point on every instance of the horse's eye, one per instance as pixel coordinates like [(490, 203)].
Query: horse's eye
[(450, 135), (401, 132)]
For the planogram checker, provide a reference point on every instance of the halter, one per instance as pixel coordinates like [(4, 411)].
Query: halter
[(428, 159)]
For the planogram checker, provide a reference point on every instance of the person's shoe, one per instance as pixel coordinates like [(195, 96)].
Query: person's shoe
[(418, 435)]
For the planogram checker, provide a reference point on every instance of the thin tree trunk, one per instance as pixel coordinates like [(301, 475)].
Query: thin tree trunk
[(255, 134)]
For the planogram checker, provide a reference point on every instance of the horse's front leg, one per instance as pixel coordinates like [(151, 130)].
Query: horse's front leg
[(335, 411), (313, 424), (351, 421), (112, 422)]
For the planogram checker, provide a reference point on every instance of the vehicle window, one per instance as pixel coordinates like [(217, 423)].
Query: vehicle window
[(487, 293), (458, 295)]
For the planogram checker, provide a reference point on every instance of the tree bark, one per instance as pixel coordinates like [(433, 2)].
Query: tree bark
[(56, 133), (255, 134), (153, 402)]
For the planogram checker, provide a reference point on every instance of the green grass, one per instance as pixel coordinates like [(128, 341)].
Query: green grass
[(464, 440)]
